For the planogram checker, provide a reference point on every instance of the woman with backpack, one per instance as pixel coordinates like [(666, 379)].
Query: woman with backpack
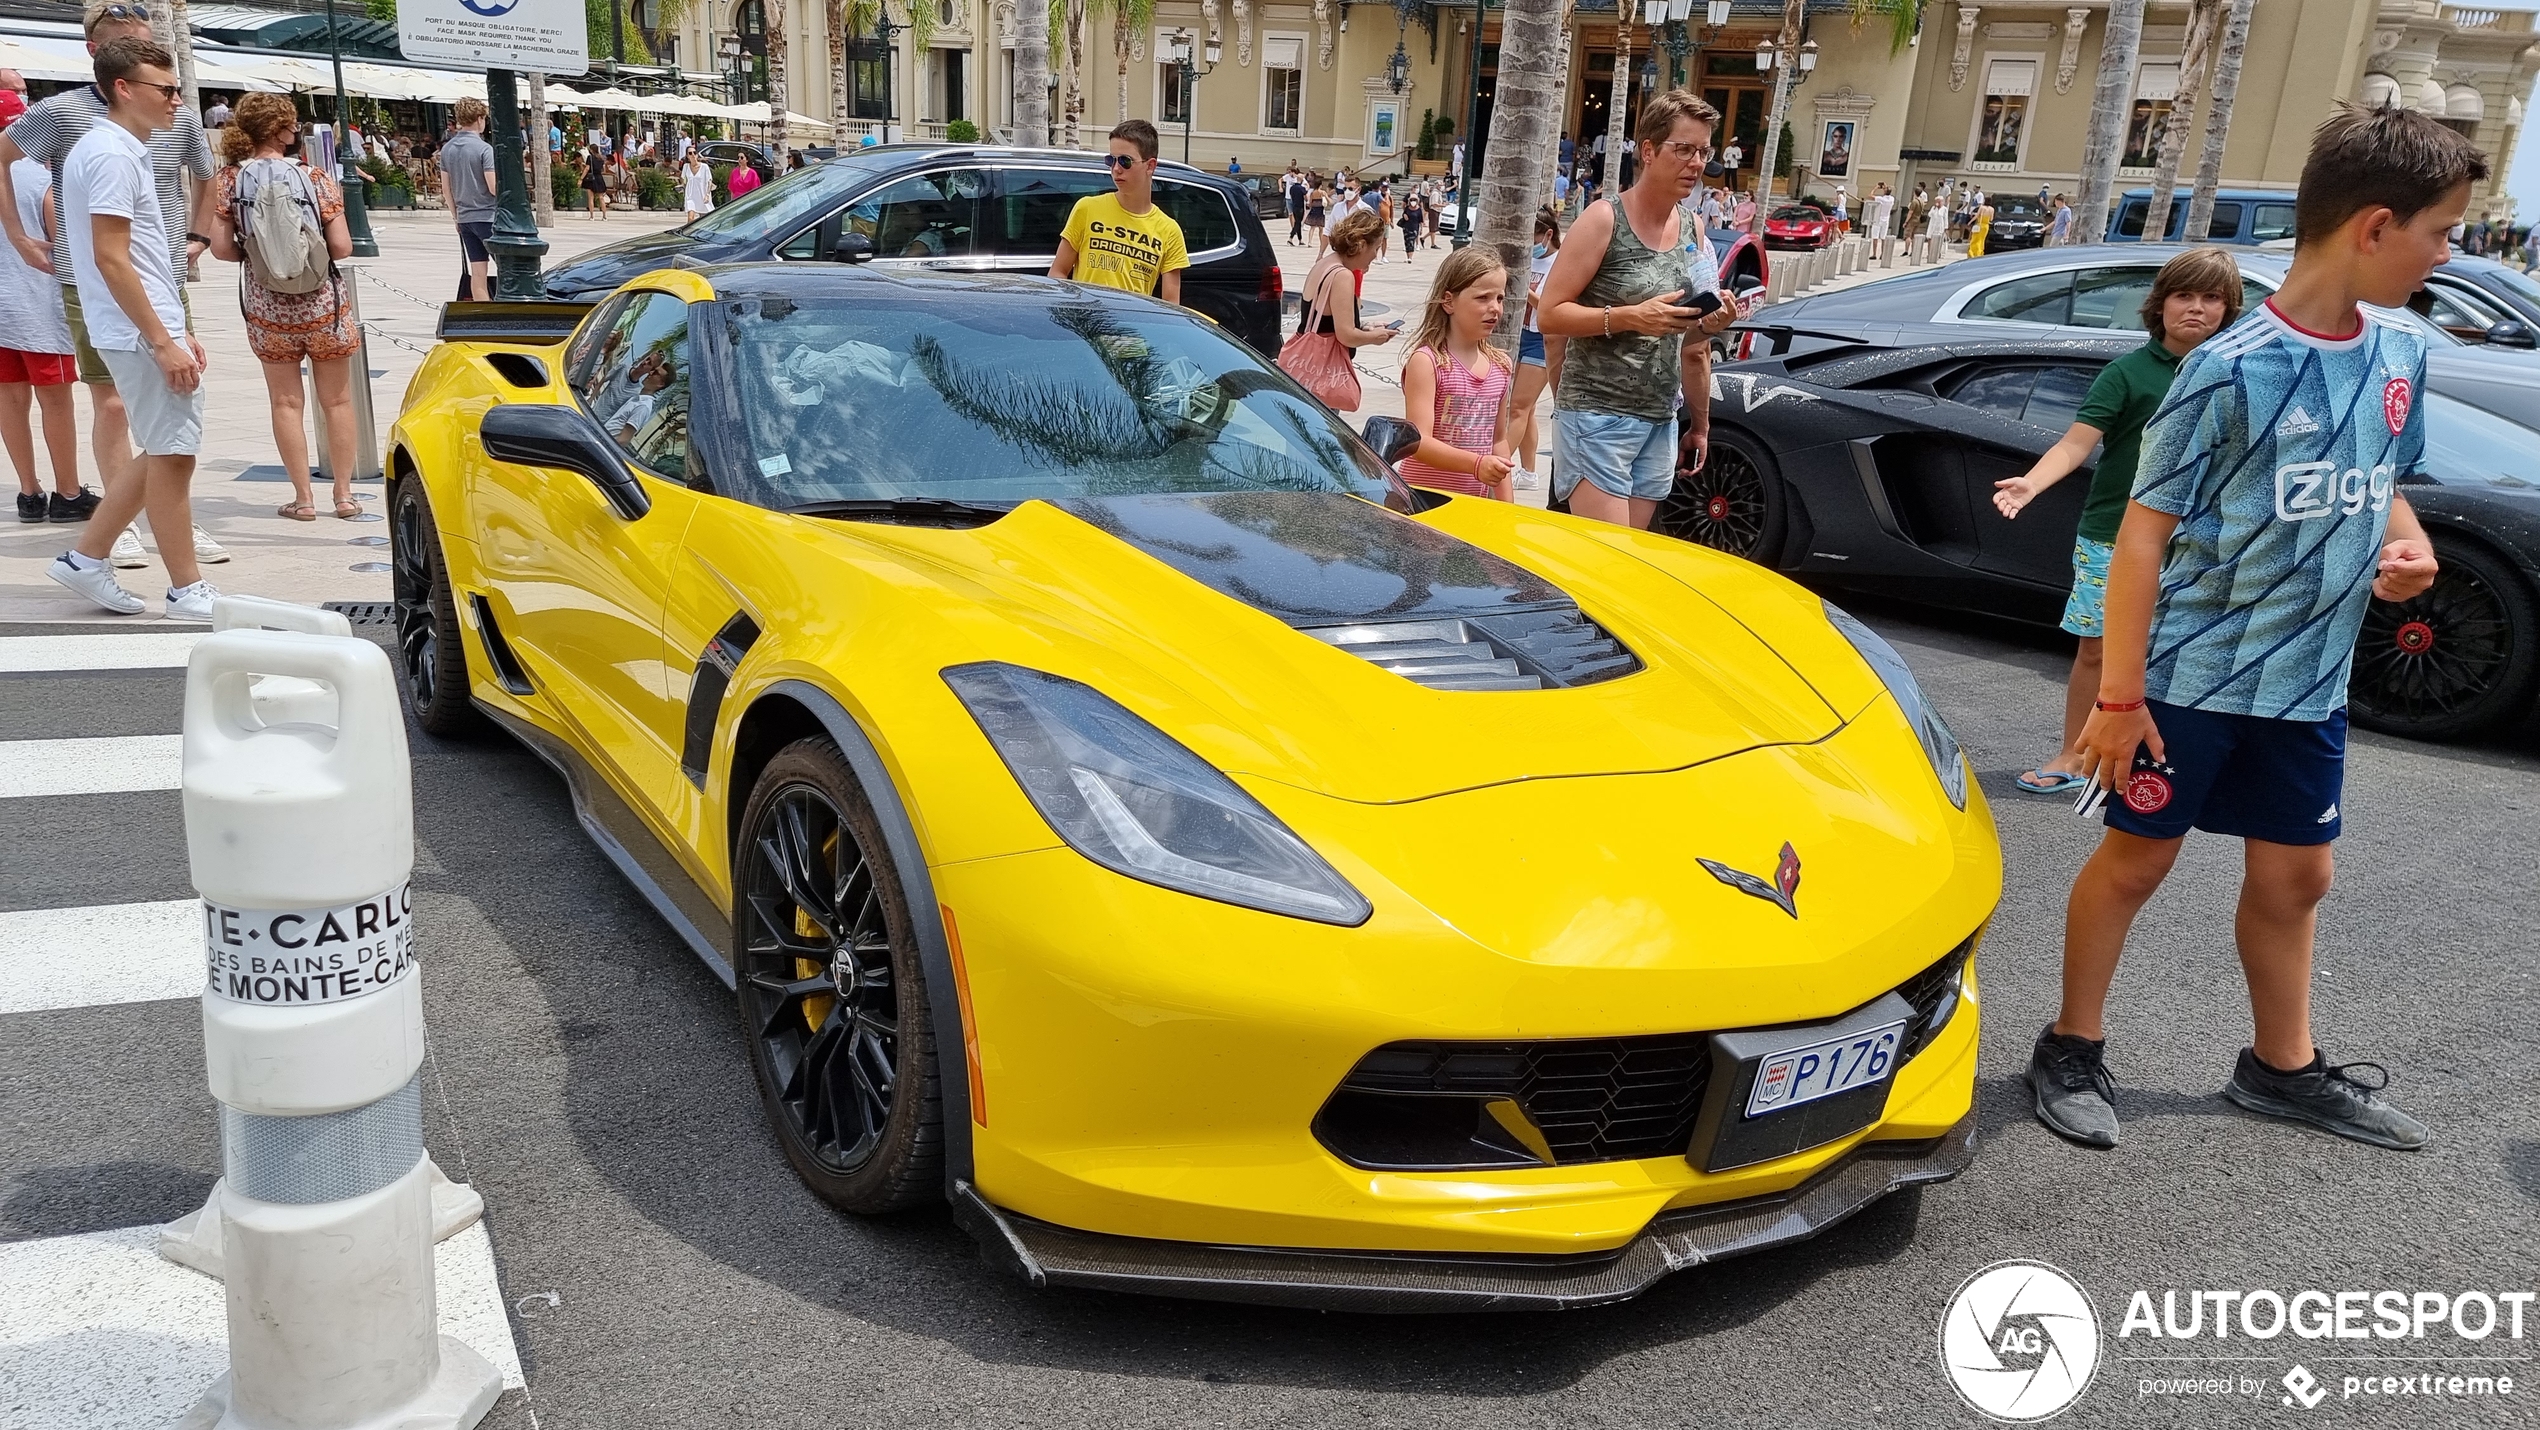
[(283, 224)]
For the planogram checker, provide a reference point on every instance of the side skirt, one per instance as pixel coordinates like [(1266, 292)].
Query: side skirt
[(623, 837)]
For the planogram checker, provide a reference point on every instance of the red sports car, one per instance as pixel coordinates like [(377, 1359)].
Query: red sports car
[(1798, 226)]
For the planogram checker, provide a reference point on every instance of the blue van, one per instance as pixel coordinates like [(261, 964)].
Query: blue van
[(2241, 216)]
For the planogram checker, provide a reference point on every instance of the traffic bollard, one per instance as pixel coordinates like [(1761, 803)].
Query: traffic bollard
[(195, 1239), (301, 839)]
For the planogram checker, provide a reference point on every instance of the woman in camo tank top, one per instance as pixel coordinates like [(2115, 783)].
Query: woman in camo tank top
[(1613, 293)]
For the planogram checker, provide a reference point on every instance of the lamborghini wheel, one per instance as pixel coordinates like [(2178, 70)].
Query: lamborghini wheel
[(430, 653), (833, 998), (2453, 661), (1734, 504)]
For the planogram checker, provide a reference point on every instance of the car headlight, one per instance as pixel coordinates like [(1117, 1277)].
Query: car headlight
[(1941, 746), (1127, 796)]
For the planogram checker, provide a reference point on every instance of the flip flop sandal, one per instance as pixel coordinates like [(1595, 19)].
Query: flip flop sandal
[(296, 511), (2044, 781), (347, 509)]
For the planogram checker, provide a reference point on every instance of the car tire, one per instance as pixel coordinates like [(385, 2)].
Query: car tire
[(832, 992), (1735, 504), (431, 644), (2458, 659)]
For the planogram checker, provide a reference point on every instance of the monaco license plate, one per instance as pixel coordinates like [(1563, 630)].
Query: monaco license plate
[(1813, 1070)]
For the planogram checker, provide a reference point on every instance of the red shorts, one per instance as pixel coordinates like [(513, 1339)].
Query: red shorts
[(40, 369)]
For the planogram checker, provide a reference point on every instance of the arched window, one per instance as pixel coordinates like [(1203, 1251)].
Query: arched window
[(750, 19)]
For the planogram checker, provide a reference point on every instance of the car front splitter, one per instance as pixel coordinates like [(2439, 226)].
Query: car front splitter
[(1414, 1282)]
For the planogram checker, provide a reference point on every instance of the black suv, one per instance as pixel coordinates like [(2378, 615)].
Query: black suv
[(960, 208)]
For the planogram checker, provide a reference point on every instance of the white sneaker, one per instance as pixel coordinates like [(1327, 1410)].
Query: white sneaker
[(128, 553), (192, 603), (208, 550), (1527, 481), (97, 583)]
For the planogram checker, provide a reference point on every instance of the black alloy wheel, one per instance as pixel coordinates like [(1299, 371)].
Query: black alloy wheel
[(431, 654), (2452, 661), (1734, 504), (831, 990)]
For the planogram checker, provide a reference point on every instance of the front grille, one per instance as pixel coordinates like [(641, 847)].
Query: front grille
[(1521, 650), (1441, 1106)]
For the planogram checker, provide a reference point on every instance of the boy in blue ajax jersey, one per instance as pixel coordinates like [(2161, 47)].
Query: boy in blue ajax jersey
[(2265, 514)]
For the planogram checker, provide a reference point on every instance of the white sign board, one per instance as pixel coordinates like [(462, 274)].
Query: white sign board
[(545, 36)]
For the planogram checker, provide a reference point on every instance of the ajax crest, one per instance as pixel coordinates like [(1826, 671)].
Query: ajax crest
[(2395, 400), (2019, 1341)]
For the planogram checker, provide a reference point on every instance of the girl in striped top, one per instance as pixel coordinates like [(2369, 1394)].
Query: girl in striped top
[(1455, 384)]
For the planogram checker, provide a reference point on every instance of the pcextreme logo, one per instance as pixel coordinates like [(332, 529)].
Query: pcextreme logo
[(2020, 1341)]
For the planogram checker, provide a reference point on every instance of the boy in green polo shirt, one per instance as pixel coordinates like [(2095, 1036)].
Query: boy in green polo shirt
[(1121, 239), (2195, 296)]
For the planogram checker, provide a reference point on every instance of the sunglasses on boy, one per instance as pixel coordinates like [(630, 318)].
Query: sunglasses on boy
[(1121, 161)]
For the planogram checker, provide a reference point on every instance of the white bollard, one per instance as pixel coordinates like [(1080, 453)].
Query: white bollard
[(301, 837)]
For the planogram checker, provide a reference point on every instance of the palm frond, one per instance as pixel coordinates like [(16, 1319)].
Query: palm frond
[(1904, 18)]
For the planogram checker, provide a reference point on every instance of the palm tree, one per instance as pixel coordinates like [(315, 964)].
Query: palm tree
[(1621, 99), (542, 188), (1031, 78), (840, 21), (2104, 139), (2195, 63), (1524, 116), (1073, 95), (1129, 18), (778, 95), (1550, 163), (1784, 66), (2235, 38)]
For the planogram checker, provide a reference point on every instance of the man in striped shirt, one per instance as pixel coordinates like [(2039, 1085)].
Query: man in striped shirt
[(181, 163), (2266, 514)]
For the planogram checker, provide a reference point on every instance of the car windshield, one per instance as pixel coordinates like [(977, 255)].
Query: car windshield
[(2023, 209), (2518, 284), (2465, 444), (1797, 213), (775, 210), (997, 397)]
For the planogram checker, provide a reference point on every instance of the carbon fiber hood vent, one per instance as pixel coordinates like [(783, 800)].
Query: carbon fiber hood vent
[(1525, 650), (1408, 597)]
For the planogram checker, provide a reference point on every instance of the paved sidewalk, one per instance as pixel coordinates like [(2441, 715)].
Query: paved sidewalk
[(239, 483)]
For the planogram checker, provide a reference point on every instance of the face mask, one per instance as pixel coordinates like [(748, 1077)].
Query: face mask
[(1540, 250)]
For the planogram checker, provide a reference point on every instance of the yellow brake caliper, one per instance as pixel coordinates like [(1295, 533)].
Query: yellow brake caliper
[(816, 1007)]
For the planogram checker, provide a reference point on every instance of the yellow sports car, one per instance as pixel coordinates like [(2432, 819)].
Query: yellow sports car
[(1128, 811)]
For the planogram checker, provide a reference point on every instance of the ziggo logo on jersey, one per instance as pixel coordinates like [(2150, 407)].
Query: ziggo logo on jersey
[(2307, 489)]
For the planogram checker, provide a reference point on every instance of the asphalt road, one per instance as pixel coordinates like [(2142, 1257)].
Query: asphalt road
[(665, 1269)]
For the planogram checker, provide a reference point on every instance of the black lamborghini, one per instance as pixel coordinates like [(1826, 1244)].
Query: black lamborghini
[(1869, 466)]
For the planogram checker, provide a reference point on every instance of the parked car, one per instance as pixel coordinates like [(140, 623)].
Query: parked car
[(733, 151), (2479, 300), (1268, 199), (2093, 289), (2241, 216), (1110, 793), (1798, 226), (1870, 465), (2018, 222), (2509, 287), (959, 208)]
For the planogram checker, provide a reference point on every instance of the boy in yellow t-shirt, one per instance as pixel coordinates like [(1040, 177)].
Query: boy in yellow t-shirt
[(1122, 240)]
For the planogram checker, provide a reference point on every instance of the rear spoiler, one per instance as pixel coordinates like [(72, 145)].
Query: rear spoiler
[(1779, 333), (535, 321)]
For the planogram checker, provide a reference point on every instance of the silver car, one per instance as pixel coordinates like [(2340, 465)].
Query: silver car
[(2095, 289)]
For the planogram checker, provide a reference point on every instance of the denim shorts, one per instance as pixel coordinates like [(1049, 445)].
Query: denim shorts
[(1623, 456), (2083, 610), (1530, 348)]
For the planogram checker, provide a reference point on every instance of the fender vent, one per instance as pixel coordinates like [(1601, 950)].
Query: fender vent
[(498, 651), (1520, 650), (722, 656)]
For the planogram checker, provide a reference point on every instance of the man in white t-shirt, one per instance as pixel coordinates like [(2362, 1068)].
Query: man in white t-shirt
[(126, 278)]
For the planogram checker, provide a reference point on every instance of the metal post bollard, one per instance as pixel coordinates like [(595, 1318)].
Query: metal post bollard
[(301, 839), (366, 466)]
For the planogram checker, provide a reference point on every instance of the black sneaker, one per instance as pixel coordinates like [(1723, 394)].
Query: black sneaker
[(77, 508), (2326, 1097), (2075, 1096), (30, 506)]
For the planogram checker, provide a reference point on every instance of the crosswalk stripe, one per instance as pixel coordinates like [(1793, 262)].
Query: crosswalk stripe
[(109, 953), (93, 764), (101, 1333), (23, 654)]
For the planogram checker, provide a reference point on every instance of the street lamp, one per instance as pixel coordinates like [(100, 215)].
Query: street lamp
[(1398, 69), (356, 212), (1191, 76)]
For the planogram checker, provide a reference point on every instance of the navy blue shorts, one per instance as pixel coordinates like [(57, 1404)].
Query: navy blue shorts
[(2239, 775)]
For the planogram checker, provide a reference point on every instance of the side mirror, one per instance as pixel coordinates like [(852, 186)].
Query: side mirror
[(544, 435), (2512, 333), (1746, 283), (853, 248), (1392, 437)]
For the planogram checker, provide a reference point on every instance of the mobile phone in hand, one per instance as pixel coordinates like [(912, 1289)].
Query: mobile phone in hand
[(1704, 303)]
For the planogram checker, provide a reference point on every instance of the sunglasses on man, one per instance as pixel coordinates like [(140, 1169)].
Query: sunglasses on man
[(1122, 161)]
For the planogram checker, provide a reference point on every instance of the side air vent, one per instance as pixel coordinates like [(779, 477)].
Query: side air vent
[(518, 369), (1521, 650), (498, 651), (715, 666)]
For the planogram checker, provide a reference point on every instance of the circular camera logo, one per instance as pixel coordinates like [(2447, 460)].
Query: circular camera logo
[(2020, 1341)]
